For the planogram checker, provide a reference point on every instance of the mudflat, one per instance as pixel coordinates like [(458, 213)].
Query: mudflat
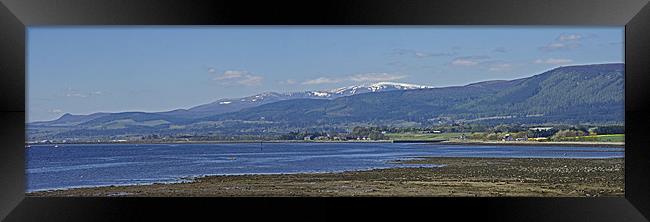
[(458, 177)]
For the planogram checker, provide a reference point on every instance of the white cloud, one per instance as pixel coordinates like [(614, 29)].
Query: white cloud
[(321, 80), (288, 82), (371, 77), (482, 62), (552, 61), (569, 37), (420, 54), (236, 77), (566, 41), (250, 80), (500, 67), (55, 111), (70, 92), (231, 74), (559, 46), (212, 70), (468, 60), (364, 77), (80, 95), (464, 62)]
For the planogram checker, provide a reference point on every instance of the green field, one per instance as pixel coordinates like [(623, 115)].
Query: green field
[(423, 136), (598, 138)]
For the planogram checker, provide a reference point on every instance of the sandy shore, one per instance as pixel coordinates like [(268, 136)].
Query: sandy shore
[(460, 177)]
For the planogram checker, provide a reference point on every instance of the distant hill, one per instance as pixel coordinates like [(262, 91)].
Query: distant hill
[(573, 94), (232, 105), (592, 93), (70, 120)]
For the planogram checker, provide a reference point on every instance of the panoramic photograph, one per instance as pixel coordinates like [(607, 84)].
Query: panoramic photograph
[(325, 111)]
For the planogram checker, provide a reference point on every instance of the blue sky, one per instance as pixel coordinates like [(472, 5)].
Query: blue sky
[(81, 70)]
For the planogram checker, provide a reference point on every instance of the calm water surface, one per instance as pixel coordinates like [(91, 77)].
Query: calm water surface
[(86, 165)]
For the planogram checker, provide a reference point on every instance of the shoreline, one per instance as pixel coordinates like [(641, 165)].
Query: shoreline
[(214, 142), (458, 177), (446, 142), (192, 179)]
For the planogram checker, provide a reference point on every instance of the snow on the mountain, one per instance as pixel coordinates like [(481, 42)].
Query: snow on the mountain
[(383, 85), (333, 93), (320, 94), (339, 90), (351, 90)]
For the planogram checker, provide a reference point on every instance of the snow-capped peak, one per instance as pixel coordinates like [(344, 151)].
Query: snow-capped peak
[(268, 97), (335, 93), (380, 86), (320, 94), (403, 86)]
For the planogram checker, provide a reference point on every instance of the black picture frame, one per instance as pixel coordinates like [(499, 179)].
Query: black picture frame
[(16, 15)]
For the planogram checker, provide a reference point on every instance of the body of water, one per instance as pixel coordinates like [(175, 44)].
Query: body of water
[(88, 165)]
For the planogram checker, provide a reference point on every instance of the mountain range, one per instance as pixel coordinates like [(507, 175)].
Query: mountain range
[(573, 94)]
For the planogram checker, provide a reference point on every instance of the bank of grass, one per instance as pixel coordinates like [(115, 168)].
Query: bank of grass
[(597, 138), (423, 136)]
